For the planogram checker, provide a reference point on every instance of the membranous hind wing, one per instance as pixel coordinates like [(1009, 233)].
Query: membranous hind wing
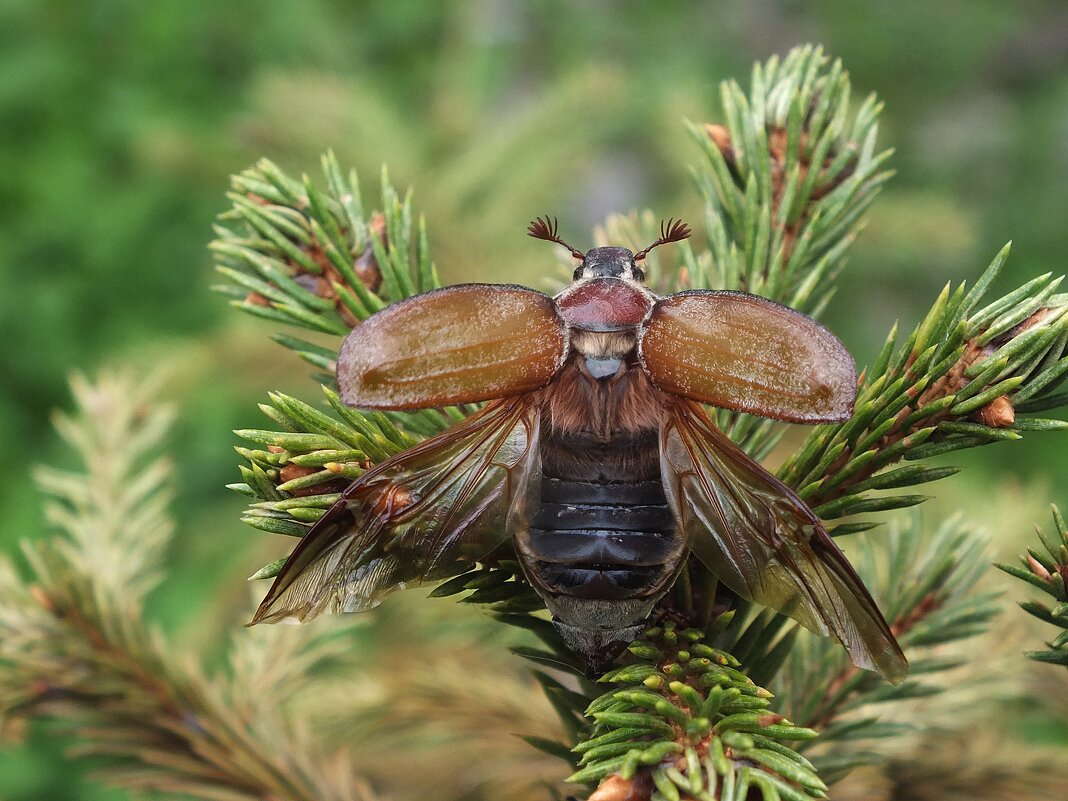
[(764, 543), (431, 511), (422, 515)]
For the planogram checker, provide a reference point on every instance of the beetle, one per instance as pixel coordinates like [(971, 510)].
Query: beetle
[(593, 455)]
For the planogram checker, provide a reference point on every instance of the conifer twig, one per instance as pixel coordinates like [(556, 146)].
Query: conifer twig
[(1046, 568), (685, 720), (925, 585), (789, 172), (959, 381), (313, 258), (74, 646)]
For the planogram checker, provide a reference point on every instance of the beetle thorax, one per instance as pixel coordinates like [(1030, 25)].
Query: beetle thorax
[(604, 316)]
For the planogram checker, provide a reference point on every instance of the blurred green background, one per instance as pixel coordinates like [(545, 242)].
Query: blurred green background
[(122, 121)]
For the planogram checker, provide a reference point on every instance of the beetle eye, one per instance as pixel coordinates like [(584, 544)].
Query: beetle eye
[(638, 273), (578, 272)]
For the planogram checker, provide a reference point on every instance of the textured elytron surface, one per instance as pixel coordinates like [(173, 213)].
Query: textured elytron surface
[(747, 353), (461, 344)]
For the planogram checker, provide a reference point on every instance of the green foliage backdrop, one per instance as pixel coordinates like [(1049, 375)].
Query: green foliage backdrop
[(122, 122)]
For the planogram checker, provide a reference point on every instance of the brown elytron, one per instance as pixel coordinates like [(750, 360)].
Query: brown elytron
[(593, 455)]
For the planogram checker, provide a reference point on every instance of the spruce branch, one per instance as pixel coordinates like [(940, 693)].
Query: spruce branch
[(74, 646), (788, 177), (1047, 569), (686, 721), (925, 585), (296, 471), (313, 258), (683, 720), (958, 381)]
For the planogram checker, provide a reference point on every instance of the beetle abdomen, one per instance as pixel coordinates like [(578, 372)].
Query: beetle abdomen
[(596, 536), (612, 543), (603, 529), (600, 545)]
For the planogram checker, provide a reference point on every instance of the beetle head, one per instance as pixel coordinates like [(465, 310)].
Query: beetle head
[(613, 262), (609, 263)]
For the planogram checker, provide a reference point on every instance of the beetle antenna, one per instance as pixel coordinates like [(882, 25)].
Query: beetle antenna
[(542, 228), (671, 231)]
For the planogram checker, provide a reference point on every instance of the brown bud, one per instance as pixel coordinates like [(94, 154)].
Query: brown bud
[(998, 413), (41, 597), (777, 145), (256, 299), (719, 135), (1030, 322), (276, 449), (1037, 568), (365, 265), (616, 788), (292, 471), (721, 138)]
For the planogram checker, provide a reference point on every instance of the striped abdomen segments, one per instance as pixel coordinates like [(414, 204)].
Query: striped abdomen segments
[(602, 540)]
